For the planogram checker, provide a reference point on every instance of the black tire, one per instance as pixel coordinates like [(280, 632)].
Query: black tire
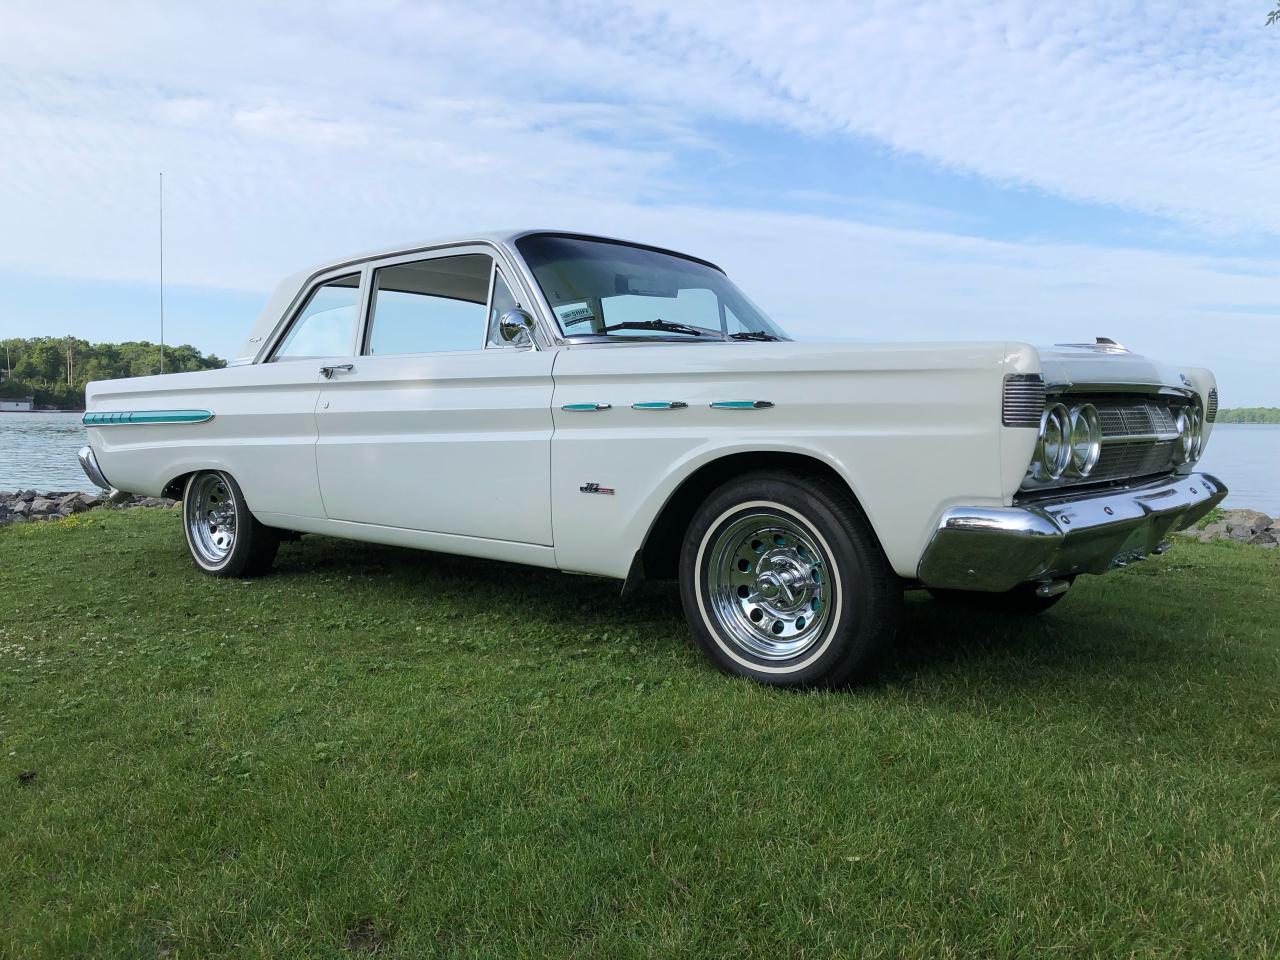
[(242, 547), (1021, 601), (787, 529)]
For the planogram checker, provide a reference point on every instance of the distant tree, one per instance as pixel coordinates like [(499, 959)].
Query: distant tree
[(1273, 17), (40, 366)]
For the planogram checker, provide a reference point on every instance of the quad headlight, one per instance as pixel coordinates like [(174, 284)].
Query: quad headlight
[(1086, 439), (1053, 452), (1190, 424), (1070, 442)]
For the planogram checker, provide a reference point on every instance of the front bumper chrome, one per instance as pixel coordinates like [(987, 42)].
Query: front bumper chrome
[(996, 548)]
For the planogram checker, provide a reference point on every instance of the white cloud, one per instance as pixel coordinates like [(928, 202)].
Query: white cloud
[(291, 133)]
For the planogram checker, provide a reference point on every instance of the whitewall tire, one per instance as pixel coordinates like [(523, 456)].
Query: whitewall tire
[(783, 581)]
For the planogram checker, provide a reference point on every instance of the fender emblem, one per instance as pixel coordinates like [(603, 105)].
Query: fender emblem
[(596, 488)]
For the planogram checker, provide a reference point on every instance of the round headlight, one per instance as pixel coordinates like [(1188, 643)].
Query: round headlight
[(1186, 435), (1054, 452), (1086, 439), (1197, 432)]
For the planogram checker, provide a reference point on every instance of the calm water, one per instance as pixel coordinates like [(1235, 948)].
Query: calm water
[(39, 450)]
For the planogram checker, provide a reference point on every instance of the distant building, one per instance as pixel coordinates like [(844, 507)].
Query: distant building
[(17, 404)]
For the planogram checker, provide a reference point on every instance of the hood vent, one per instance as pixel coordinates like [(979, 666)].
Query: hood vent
[(1211, 411)]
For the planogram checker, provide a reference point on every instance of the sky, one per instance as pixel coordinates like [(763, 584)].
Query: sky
[(865, 170)]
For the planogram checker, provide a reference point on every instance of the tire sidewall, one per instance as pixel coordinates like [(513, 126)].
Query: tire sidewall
[(842, 635), (235, 558)]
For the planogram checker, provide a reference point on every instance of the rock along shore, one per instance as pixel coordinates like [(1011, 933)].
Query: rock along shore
[(28, 505), (1244, 526)]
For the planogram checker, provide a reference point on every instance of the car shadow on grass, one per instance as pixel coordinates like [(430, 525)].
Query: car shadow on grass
[(1079, 636)]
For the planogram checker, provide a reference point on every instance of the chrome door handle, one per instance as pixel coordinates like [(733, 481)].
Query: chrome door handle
[(327, 372)]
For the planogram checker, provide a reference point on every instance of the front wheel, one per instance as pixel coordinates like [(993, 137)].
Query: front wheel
[(783, 581), (224, 537)]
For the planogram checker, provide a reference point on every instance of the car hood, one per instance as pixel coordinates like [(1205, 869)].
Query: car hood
[(1076, 365)]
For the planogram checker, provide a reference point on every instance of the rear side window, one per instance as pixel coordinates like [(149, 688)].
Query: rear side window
[(430, 306), (326, 325)]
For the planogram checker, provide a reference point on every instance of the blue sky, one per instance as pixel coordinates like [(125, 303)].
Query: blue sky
[(865, 170)]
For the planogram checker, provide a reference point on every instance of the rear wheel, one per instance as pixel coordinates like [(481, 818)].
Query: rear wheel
[(783, 581), (224, 538)]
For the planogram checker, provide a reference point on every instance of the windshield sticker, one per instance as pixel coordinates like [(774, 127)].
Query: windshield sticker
[(571, 316)]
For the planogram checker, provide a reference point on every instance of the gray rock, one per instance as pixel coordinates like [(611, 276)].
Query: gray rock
[(1242, 524), (78, 502), (1266, 538), (1214, 531), (43, 505), (21, 508), (27, 495)]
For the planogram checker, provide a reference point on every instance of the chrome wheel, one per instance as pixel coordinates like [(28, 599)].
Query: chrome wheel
[(211, 518), (769, 585)]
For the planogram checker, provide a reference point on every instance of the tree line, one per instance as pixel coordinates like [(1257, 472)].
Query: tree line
[(54, 370), (1249, 415)]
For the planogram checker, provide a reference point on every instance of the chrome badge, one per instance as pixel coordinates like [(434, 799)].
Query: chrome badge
[(596, 488)]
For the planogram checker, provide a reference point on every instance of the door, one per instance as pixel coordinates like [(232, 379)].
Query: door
[(439, 425)]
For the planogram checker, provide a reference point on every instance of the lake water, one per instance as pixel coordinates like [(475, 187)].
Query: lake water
[(39, 450)]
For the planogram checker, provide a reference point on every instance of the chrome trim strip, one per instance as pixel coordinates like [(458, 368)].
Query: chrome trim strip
[(994, 549), (741, 404), (1140, 437), (138, 418), (659, 405), (585, 407)]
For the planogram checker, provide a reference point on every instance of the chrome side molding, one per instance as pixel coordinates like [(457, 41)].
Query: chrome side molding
[(127, 418)]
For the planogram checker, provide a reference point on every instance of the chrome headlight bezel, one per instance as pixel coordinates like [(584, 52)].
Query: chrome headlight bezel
[(1053, 448), (1085, 439), (1186, 435), (1197, 433)]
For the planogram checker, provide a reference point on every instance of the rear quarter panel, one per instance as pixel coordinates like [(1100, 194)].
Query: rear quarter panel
[(263, 432)]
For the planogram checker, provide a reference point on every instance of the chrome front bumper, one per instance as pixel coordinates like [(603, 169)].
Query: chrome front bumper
[(996, 548)]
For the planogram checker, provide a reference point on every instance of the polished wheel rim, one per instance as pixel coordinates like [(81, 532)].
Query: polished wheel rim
[(769, 585), (211, 518)]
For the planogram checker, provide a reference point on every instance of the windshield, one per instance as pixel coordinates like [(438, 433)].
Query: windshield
[(597, 288)]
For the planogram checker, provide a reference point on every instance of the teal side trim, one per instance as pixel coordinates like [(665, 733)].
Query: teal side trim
[(659, 405), (585, 407), (742, 405), (122, 418)]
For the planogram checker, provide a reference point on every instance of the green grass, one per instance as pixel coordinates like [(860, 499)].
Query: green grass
[(377, 749)]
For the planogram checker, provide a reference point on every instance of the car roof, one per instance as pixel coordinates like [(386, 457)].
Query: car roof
[(288, 289)]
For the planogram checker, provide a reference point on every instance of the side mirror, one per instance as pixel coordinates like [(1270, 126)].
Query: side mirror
[(516, 327)]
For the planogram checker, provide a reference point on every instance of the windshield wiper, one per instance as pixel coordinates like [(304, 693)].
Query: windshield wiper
[(662, 325), (753, 335)]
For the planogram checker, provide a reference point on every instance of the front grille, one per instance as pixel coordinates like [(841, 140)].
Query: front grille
[(1139, 439), (1134, 419), (1120, 461), (1211, 412), (1023, 401)]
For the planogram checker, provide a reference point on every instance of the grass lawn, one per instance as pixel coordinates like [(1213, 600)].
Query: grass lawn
[(381, 750)]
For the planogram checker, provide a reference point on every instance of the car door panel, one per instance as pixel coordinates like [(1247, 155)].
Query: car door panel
[(456, 443)]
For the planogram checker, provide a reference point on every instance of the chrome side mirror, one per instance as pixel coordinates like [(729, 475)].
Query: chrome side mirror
[(516, 327)]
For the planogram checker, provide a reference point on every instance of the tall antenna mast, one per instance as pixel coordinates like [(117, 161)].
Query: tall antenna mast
[(162, 272)]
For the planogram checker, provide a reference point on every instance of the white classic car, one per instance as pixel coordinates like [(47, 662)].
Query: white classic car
[(616, 409)]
